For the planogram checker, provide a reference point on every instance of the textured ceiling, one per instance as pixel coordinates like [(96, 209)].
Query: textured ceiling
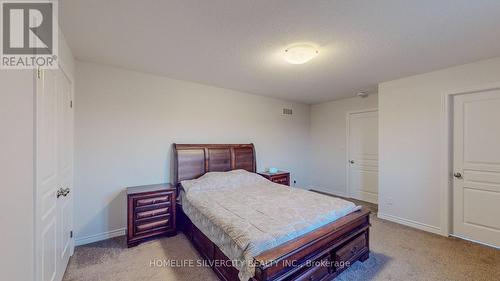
[(238, 44)]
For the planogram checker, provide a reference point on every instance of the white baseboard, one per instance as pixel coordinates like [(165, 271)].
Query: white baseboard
[(479, 242), (99, 237), (411, 223)]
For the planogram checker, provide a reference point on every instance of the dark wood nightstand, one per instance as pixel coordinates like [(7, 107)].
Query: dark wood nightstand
[(280, 177), (151, 212)]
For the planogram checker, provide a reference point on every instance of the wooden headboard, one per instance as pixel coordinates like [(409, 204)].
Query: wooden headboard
[(194, 160)]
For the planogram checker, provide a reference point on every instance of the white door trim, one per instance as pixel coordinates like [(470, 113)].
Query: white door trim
[(447, 150), (347, 166)]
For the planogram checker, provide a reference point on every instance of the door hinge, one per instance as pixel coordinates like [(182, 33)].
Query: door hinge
[(71, 234), (39, 73), (71, 104)]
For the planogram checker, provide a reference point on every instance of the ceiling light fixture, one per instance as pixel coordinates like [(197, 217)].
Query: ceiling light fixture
[(300, 53)]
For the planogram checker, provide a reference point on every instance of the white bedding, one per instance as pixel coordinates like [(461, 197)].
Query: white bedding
[(244, 214)]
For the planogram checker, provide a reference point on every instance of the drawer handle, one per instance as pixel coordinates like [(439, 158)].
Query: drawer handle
[(158, 200), (161, 199), (354, 249)]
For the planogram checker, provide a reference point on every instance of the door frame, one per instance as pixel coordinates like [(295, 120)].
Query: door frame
[(447, 151), (347, 146)]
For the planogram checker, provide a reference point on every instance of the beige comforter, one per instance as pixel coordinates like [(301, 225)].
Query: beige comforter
[(244, 214)]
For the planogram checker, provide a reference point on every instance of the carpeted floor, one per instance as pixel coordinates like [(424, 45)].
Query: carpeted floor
[(398, 253)]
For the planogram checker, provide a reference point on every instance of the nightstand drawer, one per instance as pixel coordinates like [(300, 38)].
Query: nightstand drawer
[(154, 225), (153, 199), (152, 213), (281, 180), (279, 177)]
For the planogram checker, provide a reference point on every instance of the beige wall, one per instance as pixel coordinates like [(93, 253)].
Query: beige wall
[(411, 141), (17, 174), (126, 122), (328, 142)]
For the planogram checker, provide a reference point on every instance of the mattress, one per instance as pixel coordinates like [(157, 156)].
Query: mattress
[(245, 214)]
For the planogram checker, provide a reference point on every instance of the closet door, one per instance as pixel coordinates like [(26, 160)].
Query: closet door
[(54, 173), (362, 169), (65, 171), (47, 177)]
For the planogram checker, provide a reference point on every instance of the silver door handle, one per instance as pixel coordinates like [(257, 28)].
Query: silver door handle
[(66, 192), (62, 192), (457, 175)]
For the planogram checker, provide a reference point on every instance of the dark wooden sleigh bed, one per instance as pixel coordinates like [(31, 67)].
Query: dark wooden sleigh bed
[(318, 255)]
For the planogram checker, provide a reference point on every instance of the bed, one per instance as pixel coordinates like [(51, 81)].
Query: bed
[(244, 227)]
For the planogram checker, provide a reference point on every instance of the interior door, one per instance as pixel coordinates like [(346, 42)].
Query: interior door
[(363, 156), (65, 171), (476, 163), (54, 137), (47, 177)]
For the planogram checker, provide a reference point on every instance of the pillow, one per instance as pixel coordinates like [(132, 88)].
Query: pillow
[(221, 180)]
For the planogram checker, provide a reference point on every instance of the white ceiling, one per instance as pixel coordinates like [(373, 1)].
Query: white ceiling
[(237, 44)]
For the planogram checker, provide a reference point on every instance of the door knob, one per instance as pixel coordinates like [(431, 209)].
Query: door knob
[(457, 175), (351, 161)]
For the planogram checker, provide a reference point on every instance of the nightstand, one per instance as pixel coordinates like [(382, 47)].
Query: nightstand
[(150, 212), (280, 177)]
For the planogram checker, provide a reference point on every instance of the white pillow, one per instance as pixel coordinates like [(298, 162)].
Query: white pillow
[(221, 180)]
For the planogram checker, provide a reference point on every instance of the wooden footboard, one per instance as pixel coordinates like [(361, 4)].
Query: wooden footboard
[(319, 255)]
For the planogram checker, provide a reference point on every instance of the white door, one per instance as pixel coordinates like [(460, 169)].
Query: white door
[(54, 137), (65, 171), (362, 172), (476, 164)]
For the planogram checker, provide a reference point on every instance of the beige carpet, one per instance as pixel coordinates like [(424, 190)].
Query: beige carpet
[(398, 253)]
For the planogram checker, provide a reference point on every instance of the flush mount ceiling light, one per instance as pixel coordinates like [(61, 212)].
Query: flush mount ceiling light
[(300, 53)]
